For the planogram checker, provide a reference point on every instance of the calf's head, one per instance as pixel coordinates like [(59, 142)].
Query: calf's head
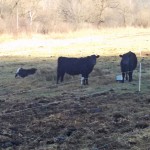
[(125, 59), (18, 72), (93, 58)]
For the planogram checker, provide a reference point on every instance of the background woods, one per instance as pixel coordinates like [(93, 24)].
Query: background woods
[(44, 16)]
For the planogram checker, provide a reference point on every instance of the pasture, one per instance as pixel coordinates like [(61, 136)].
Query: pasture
[(38, 114)]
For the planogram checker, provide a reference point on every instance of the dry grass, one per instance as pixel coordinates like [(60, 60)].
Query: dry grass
[(106, 42)]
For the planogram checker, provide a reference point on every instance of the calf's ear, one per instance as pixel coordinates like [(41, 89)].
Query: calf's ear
[(120, 55)]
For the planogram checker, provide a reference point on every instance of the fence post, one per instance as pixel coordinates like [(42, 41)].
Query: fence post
[(140, 68)]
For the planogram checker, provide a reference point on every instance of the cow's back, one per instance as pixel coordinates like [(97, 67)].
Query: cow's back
[(71, 66), (75, 66), (129, 61), (133, 61)]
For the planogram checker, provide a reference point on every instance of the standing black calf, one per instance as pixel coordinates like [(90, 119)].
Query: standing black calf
[(76, 66), (128, 64), (25, 72)]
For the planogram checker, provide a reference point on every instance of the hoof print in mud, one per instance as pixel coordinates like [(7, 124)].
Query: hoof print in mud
[(141, 125), (120, 120)]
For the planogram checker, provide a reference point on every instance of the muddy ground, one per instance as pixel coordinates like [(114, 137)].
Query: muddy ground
[(104, 120)]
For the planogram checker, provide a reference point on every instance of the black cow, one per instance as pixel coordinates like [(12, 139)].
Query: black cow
[(25, 72), (128, 64), (76, 66)]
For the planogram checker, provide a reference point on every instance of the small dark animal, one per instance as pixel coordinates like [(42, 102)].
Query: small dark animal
[(25, 72), (76, 66), (128, 64)]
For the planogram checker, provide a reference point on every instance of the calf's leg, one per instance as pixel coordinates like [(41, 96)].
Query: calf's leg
[(82, 80), (86, 79), (123, 76), (130, 76), (62, 77)]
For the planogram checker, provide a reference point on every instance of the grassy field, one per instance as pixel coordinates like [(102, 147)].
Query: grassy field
[(106, 42), (38, 114)]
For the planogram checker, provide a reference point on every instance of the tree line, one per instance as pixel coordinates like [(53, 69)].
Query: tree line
[(44, 16)]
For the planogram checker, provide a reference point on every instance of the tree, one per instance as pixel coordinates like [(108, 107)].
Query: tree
[(71, 10), (100, 6), (124, 12)]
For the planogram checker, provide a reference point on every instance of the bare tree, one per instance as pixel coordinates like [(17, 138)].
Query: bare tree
[(48, 15), (125, 13), (98, 8), (69, 10)]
